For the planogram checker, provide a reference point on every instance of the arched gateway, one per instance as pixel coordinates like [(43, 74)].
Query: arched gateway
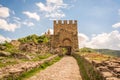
[(65, 35)]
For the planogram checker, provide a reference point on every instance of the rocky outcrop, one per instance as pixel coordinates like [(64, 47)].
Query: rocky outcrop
[(15, 43), (109, 69), (28, 47), (13, 71), (34, 48), (42, 49), (19, 55)]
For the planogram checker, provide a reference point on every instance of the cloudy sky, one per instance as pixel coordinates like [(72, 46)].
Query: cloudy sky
[(98, 20)]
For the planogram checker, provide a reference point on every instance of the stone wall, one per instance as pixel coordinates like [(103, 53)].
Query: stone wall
[(94, 70), (13, 71)]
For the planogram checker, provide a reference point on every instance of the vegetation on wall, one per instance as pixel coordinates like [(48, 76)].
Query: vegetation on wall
[(86, 69)]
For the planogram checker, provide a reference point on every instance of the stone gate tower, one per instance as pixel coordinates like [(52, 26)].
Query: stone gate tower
[(65, 35)]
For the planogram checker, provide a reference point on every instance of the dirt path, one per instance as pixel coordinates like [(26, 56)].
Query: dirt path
[(66, 69)]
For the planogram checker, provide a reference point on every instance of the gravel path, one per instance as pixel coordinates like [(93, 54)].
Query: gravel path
[(66, 69)]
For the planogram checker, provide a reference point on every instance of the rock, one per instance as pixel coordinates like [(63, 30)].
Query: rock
[(112, 78), (21, 56), (112, 65), (15, 43), (4, 54), (2, 47), (103, 68), (28, 47), (106, 74), (117, 70), (15, 71), (96, 63)]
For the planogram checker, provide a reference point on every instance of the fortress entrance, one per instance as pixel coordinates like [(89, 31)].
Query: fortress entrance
[(65, 35), (67, 45), (68, 48)]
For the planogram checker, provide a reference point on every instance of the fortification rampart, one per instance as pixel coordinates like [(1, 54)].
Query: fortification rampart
[(98, 70)]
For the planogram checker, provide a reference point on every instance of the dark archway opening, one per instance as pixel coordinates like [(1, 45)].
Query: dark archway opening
[(68, 49)]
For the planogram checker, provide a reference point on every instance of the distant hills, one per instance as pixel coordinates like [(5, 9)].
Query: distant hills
[(109, 52)]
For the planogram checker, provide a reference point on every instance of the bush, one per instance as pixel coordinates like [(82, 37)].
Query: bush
[(85, 49), (34, 38)]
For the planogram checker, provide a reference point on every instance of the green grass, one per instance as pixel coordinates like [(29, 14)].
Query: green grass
[(40, 57), (7, 61), (81, 67), (87, 70), (36, 70)]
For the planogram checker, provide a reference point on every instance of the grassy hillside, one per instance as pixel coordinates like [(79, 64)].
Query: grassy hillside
[(109, 52), (115, 53), (29, 48)]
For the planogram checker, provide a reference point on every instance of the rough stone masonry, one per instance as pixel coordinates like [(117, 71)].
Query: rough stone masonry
[(65, 35)]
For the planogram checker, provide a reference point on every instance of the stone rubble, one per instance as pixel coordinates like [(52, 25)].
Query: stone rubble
[(14, 71), (109, 69)]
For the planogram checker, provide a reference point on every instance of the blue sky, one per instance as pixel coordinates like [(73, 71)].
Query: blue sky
[(97, 19)]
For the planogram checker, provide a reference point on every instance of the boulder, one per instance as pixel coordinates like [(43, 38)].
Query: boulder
[(2, 47), (21, 56), (112, 78), (4, 54), (106, 74)]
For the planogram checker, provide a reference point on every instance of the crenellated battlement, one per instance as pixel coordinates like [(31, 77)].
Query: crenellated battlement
[(65, 22)]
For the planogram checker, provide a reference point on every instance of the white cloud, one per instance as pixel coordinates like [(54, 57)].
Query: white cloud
[(32, 15), (105, 40), (7, 26), (99, 41), (82, 39), (53, 8), (3, 39), (28, 23), (4, 24), (117, 25), (4, 12)]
